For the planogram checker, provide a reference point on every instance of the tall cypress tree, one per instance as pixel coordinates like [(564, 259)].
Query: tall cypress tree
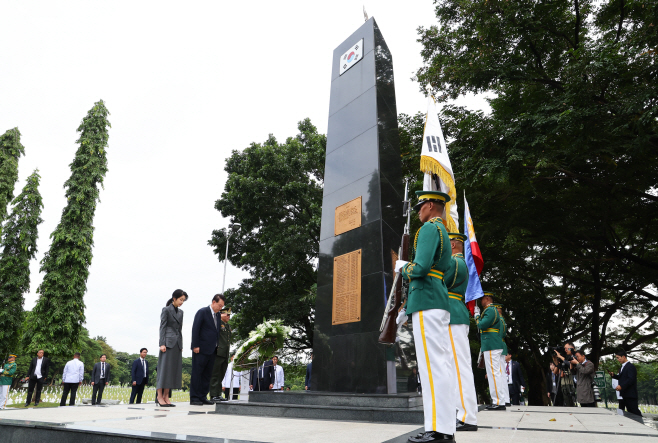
[(10, 150), (19, 246), (60, 311)]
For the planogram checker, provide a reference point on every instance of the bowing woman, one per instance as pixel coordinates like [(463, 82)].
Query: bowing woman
[(170, 360)]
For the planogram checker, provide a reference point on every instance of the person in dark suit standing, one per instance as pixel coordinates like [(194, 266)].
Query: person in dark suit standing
[(139, 375), (263, 377), (205, 340), (514, 379), (309, 369), (170, 359), (100, 377), (627, 383), (36, 375)]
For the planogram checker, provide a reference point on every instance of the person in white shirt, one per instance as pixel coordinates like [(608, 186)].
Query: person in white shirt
[(74, 372), (278, 375), (226, 382)]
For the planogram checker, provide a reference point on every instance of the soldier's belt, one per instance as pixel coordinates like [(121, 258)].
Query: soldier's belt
[(456, 296), (436, 274), (491, 330)]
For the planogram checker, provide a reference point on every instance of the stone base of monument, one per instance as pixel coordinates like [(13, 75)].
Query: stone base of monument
[(150, 423), (87, 401), (400, 408)]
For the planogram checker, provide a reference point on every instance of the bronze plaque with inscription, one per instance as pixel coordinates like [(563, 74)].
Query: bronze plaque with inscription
[(347, 288), (348, 216)]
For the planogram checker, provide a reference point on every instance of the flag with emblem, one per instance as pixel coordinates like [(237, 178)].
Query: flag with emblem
[(473, 259), (434, 162)]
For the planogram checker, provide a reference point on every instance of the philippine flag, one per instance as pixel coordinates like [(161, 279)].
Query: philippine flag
[(474, 262)]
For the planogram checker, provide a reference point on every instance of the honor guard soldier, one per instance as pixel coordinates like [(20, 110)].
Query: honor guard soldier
[(429, 307), (6, 378), (489, 325), (503, 333), (456, 280)]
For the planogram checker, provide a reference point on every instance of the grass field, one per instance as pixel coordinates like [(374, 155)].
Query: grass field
[(51, 396)]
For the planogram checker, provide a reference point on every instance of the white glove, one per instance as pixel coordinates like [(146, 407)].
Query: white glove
[(399, 264), (402, 317), (1, 370), (477, 311)]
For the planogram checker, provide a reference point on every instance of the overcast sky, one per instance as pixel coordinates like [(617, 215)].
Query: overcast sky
[(185, 84)]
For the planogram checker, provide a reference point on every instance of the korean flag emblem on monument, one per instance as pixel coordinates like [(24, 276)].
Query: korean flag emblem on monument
[(351, 57)]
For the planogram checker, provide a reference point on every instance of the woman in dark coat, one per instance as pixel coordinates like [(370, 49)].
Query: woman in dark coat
[(170, 360)]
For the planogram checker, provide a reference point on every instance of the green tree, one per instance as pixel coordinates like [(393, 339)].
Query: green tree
[(59, 312), (10, 150), (19, 246), (561, 175), (275, 191)]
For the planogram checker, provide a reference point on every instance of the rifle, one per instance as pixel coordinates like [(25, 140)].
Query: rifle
[(398, 294)]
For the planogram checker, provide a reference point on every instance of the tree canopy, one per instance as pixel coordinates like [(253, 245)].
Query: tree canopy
[(19, 246), (59, 312), (274, 190), (10, 151), (561, 175)]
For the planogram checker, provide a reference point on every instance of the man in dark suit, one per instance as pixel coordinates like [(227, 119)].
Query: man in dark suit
[(100, 377), (309, 369), (627, 383), (205, 339), (36, 375), (263, 378), (515, 381), (139, 375)]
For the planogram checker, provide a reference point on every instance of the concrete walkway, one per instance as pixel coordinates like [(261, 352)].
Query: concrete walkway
[(148, 422)]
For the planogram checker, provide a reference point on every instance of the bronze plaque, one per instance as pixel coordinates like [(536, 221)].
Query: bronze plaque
[(347, 288), (348, 216)]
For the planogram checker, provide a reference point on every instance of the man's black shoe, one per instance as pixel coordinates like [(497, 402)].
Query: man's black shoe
[(508, 404), (218, 399), (431, 436), (205, 401), (196, 403), (36, 403), (27, 404), (461, 426), (495, 408)]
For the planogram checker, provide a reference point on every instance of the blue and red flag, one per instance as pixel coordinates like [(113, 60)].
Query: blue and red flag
[(474, 261)]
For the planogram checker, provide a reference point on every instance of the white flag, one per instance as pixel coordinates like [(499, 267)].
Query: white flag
[(434, 160)]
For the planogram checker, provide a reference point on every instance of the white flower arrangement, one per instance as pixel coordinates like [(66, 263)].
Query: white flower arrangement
[(261, 344)]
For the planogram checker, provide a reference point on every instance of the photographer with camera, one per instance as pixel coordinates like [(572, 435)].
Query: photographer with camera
[(569, 356)]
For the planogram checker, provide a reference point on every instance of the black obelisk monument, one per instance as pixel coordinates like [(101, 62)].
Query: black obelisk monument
[(362, 220)]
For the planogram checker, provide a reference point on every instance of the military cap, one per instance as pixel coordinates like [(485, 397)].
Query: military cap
[(12, 355), (430, 196), (457, 236), (490, 295)]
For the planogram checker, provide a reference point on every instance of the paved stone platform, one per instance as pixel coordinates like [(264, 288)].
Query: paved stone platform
[(147, 422)]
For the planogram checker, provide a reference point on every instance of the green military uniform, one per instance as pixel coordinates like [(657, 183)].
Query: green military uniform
[(456, 280), (489, 324), (429, 307), (221, 360), (8, 374), (425, 274), (6, 378)]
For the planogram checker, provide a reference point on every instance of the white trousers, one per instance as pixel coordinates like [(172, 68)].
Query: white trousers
[(505, 388), (435, 367), (4, 395), (466, 399), (495, 376)]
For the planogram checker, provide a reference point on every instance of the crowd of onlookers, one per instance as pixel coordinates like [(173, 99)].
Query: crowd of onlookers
[(570, 380)]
